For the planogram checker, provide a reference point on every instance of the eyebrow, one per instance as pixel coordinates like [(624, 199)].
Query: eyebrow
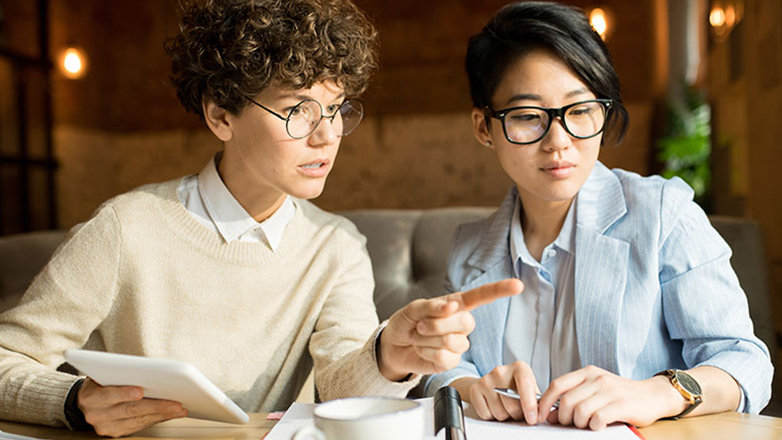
[(534, 97)]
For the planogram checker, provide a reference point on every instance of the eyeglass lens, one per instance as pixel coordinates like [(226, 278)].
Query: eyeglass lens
[(305, 117), (529, 124)]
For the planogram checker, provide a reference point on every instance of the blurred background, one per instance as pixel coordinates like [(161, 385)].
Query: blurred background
[(87, 112)]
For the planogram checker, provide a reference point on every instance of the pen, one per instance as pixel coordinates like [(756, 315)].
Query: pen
[(514, 395)]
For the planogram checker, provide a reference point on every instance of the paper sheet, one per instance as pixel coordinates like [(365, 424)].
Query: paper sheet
[(300, 415), (9, 436)]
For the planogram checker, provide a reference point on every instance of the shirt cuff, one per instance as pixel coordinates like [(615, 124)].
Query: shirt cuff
[(73, 413), (742, 401)]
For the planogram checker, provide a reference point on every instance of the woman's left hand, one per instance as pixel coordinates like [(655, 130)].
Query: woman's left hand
[(594, 398)]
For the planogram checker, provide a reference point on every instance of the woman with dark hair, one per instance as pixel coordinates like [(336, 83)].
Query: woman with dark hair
[(631, 311), (232, 269)]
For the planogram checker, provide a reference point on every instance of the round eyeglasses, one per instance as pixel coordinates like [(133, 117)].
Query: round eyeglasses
[(529, 124), (305, 117)]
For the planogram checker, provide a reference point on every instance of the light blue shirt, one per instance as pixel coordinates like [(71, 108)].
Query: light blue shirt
[(541, 328), (654, 288), (209, 201)]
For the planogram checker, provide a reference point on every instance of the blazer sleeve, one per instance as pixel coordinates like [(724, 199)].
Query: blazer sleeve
[(465, 369), (703, 304), (461, 247)]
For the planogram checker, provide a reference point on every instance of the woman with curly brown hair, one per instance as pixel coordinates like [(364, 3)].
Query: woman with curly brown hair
[(232, 270)]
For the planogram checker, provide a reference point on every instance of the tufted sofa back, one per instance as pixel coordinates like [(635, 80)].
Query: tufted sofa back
[(21, 257), (409, 250)]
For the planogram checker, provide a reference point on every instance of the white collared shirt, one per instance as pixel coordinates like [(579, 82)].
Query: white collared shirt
[(206, 198), (541, 325)]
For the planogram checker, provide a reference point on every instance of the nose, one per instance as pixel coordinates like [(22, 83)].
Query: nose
[(324, 134), (557, 138)]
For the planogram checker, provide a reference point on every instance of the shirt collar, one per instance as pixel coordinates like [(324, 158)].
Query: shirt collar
[(229, 217), (274, 226), (518, 247), (566, 240)]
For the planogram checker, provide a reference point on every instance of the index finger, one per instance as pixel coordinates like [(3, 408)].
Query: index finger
[(556, 389), (486, 293)]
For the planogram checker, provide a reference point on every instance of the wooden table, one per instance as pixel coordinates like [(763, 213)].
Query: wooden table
[(727, 426)]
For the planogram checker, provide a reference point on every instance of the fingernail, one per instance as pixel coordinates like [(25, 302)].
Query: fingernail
[(532, 417), (421, 328)]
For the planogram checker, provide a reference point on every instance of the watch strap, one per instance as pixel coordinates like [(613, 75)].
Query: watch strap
[(698, 400), (694, 399)]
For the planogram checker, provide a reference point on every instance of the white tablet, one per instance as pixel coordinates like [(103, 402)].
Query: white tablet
[(160, 379)]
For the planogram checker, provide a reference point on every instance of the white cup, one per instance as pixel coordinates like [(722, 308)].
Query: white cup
[(363, 418)]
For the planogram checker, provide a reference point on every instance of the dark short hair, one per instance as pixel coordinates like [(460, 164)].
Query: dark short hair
[(519, 28), (228, 49)]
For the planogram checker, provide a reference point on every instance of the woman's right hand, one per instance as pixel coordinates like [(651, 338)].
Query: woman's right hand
[(492, 406), (120, 411)]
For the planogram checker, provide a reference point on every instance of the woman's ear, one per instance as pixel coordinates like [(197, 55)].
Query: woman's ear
[(218, 120), (480, 128)]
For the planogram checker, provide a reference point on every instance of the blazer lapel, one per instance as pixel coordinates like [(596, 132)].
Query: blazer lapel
[(490, 321), (495, 246), (492, 263), (601, 268)]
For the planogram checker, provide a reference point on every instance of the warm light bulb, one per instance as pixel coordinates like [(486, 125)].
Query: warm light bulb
[(730, 16), (597, 18), (717, 17), (73, 63)]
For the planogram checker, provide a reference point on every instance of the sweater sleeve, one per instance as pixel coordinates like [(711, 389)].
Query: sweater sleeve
[(64, 304), (343, 344)]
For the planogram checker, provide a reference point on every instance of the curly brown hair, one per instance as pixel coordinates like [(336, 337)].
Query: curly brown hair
[(229, 49)]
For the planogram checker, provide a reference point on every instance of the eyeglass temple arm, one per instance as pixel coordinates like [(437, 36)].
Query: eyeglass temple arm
[(267, 109)]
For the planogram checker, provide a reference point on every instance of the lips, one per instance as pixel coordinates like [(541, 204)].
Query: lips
[(559, 169), (316, 168)]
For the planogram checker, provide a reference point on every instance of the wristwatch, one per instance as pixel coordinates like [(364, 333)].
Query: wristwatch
[(687, 386)]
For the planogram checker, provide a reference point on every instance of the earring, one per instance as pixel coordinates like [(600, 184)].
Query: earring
[(488, 144)]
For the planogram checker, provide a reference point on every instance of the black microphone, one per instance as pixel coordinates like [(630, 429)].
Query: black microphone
[(448, 413)]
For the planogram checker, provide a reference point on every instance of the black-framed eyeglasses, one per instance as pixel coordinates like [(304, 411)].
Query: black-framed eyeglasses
[(305, 117), (529, 124)]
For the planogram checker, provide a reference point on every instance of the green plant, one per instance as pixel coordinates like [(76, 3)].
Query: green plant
[(686, 148)]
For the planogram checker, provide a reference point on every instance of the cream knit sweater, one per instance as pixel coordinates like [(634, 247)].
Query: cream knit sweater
[(143, 277)]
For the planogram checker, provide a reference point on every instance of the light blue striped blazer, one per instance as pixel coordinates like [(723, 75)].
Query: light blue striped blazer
[(654, 288)]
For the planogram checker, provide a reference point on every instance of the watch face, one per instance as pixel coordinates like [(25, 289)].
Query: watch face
[(688, 383)]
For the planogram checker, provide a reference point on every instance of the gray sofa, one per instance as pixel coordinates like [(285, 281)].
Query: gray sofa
[(409, 249)]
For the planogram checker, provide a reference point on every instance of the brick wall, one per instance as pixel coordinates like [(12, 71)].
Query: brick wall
[(121, 126)]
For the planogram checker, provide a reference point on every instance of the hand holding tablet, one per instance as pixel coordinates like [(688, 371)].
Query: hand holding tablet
[(160, 379)]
